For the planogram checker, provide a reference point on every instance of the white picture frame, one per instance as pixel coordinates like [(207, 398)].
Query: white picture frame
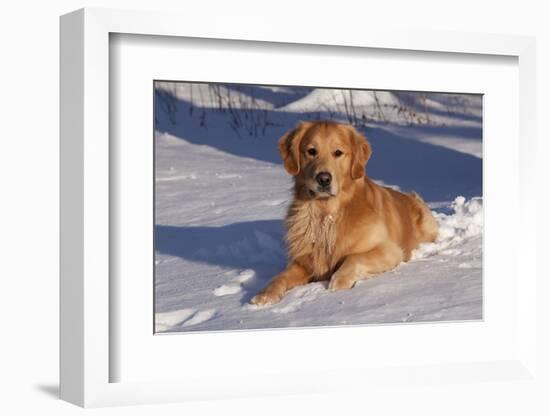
[(86, 355)]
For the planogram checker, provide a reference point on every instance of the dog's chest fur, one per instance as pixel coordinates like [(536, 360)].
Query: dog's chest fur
[(311, 236)]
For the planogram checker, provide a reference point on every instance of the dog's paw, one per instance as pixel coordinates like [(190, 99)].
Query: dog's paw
[(265, 299), (340, 283)]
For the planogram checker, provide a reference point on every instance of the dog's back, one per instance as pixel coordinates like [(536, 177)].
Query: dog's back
[(407, 218)]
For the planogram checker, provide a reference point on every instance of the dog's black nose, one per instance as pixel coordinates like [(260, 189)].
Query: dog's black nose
[(323, 179)]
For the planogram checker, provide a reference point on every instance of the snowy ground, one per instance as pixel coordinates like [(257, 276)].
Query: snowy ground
[(221, 195)]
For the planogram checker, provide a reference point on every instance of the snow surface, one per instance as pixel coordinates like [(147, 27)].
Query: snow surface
[(322, 98), (221, 196), (203, 96)]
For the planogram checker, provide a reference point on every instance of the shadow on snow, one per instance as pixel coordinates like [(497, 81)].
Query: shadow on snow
[(436, 173), (256, 245)]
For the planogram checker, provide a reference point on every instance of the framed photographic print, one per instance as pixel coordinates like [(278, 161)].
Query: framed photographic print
[(222, 193), (284, 212)]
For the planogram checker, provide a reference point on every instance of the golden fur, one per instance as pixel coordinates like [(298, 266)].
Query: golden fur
[(350, 229)]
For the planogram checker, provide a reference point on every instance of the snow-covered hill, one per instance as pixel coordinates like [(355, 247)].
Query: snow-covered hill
[(221, 195), (397, 108), (327, 99)]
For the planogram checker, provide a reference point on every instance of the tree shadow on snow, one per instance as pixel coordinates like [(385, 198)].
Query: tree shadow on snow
[(435, 172)]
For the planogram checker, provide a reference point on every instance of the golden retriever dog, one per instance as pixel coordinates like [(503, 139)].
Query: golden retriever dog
[(341, 226)]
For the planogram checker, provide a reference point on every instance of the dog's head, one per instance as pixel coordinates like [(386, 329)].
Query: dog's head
[(324, 157)]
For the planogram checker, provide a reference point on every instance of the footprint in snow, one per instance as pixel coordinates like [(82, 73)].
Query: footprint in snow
[(200, 317), (245, 275), (224, 290), (167, 320), (183, 317), (236, 285)]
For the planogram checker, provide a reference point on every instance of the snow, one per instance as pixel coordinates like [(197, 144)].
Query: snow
[(465, 223), (462, 140), (203, 96), (398, 108), (227, 290), (322, 98), (221, 195)]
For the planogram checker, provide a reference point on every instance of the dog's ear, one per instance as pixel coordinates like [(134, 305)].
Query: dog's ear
[(360, 154), (289, 148)]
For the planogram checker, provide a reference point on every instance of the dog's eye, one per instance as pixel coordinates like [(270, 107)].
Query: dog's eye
[(311, 152), (338, 153)]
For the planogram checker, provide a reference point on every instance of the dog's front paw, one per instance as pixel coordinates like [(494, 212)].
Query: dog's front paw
[(339, 282), (265, 298)]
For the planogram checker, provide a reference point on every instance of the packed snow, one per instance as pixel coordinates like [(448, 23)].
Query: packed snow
[(221, 194)]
